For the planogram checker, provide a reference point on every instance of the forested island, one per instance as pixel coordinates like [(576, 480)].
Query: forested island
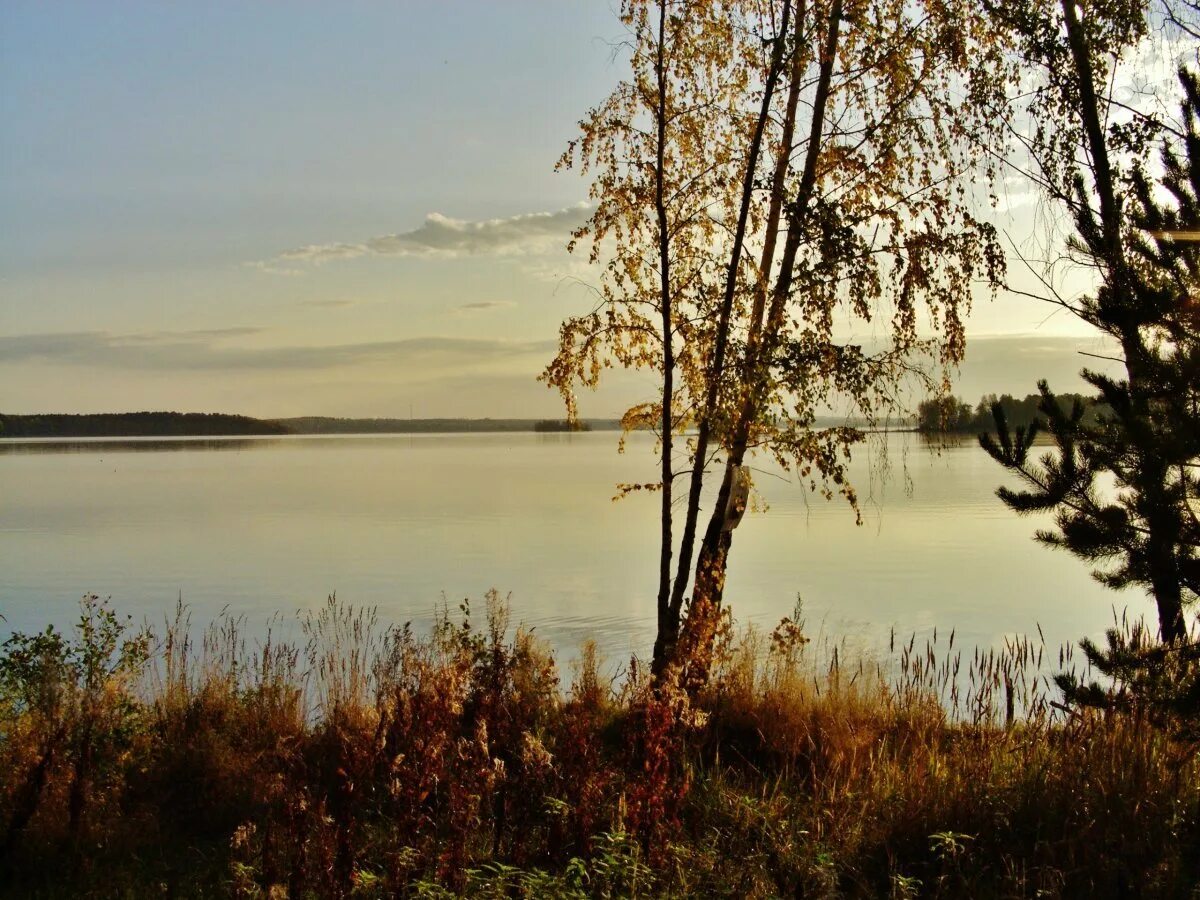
[(175, 424), (953, 415)]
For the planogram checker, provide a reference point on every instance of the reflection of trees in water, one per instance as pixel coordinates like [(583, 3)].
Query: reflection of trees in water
[(155, 445)]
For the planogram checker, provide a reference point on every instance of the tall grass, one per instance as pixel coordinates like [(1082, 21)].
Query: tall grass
[(363, 759)]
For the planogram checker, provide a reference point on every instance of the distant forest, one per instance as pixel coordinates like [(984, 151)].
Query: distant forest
[(135, 424), (174, 424), (953, 415)]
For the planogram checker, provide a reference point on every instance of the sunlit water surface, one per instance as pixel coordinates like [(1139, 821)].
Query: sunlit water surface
[(262, 526)]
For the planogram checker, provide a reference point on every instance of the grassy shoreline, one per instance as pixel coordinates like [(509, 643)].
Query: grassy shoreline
[(366, 761)]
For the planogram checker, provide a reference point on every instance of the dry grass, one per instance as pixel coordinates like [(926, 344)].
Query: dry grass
[(366, 760)]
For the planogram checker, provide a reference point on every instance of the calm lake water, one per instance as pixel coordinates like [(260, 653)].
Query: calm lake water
[(261, 526)]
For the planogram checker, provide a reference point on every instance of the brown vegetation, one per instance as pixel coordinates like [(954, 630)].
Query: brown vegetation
[(369, 761)]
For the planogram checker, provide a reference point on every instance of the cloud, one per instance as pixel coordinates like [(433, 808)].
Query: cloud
[(196, 334), (487, 304), (446, 238), (1010, 200), (320, 253), (273, 268), (208, 351)]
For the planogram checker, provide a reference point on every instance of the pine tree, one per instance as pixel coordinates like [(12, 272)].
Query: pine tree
[(1123, 489)]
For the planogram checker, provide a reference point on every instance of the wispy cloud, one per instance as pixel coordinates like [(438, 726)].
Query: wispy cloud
[(273, 267), (209, 351), (483, 305), (441, 236), (321, 253)]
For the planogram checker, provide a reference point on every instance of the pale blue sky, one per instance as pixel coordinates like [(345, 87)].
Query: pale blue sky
[(302, 208)]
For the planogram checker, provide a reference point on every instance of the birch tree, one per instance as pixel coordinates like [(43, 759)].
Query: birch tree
[(797, 234)]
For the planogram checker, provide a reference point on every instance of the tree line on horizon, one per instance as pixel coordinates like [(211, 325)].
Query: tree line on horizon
[(176, 424), (135, 424)]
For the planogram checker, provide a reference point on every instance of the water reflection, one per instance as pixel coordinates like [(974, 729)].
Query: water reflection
[(15, 446), (400, 521)]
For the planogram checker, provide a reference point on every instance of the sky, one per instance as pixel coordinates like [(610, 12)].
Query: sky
[(325, 209)]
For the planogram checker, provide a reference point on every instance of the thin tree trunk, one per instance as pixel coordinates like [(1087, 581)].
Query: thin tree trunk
[(668, 620), (717, 364), (712, 560), (1089, 106), (775, 211)]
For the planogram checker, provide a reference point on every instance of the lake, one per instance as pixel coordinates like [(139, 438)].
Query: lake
[(262, 526)]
